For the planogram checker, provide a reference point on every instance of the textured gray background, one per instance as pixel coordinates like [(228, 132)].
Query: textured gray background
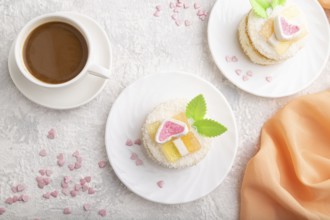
[(142, 44)]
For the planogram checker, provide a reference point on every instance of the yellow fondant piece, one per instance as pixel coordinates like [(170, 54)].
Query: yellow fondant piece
[(182, 117), (268, 29), (152, 129), (170, 151), (191, 142)]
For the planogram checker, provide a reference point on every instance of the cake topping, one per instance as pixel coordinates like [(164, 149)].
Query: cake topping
[(285, 31), (169, 129)]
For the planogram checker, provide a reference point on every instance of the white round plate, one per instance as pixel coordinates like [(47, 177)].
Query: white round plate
[(75, 95), (126, 119), (276, 80)]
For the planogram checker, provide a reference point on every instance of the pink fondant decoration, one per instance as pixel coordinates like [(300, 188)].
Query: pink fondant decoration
[(169, 129), (284, 30)]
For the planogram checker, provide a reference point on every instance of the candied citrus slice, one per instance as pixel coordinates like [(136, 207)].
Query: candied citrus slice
[(152, 129), (182, 117), (191, 142), (171, 153)]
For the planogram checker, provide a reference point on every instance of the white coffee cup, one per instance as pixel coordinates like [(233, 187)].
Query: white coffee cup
[(90, 67)]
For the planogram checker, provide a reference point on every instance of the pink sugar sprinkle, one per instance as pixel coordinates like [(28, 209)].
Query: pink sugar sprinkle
[(245, 78), (102, 212), (129, 142), (14, 189), (91, 190), (174, 17), (20, 198), (160, 183), (76, 154), (64, 185), (73, 193), (42, 172), (20, 187), (197, 5), (172, 5), (138, 162), (178, 23), (79, 159), (187, 23), (179, 4), (234, 59), (77, 187), (88, 179), (238, 72), (71, 167), (54, 193), (65, 191), (2, 210), (157, 14), (87, 206), (39, 179), (25, 198), (60, 156), (66, 211), (202, 17), (51, 134), (66, 179), (138, 141), (185, 6), (41, 184), (46, 195), (269, 78), (85, 188), (102, 164), (134, 156), (158, 7), (15, 199), (77, 165), (43, 153), (200, 12), (82, 182), (249, 73), (47, 180), (60, 163), (49, 172)]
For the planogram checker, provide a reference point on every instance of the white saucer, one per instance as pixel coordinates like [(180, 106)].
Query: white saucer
[(276, 80), (75, 95), (126, 118)]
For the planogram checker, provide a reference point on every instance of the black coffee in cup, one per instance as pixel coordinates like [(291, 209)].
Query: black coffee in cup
[(55, 52)]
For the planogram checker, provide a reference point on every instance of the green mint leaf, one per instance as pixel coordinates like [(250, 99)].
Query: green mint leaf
[(209, 128), (275, 3), (258, 8), (196, 108), (264, 3), (282, 2)]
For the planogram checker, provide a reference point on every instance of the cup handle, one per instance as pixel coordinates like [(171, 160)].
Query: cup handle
[(99, 71)]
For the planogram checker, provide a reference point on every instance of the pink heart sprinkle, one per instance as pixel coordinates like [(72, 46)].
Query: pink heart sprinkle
[(82, 182), (79, 159), (25, 198), (179, 4), (20, 198), (51, 134), (43, 153), (234, 59), (102, 212), (157, 14), (245, 78), (41, 185), (77, 165), (64, 185), (60, 156), (160, 183), (134, 156), (77, 187), (2, 210), (185, 6), (187, 23), (129, 142), (9, 201), (14, 189), (49, 172), (47, 181), (66, 179), (158, 7), (15, 199), (238, 72), (87, 206), (54, 193), (76, 154), (85, 188), (20, 187), (138, 162), (102, 164), (91, 190), (88, 179), (200, 12), (73, 193), (42, 172), (60, 163), (202, 17), (138, 141), (269, 78), (172, 5), (197, 5), (46, 195), (66, 211), (174, 17), (65, 191), (249, 73), (71, 167), (178, 23)]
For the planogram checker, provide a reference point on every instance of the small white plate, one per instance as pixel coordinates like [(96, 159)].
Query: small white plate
[(273, 81), (75, 95), (126, 119)]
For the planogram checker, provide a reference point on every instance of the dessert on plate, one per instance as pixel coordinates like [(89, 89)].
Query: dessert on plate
[(272, 31), (176, 133)]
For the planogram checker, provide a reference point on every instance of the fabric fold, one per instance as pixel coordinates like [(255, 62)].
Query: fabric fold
[(289, 177)]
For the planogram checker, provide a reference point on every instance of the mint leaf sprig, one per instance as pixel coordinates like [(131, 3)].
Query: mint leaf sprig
[(260, 7), (196, 110)]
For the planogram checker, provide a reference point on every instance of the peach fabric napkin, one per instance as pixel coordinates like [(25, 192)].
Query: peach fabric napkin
[(325, 3), (289, 177)]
